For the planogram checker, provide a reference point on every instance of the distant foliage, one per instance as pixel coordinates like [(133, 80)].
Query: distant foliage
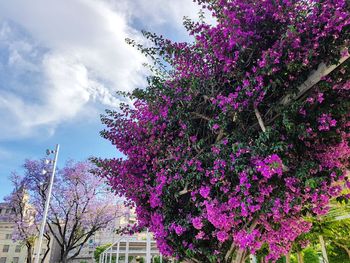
[(310, 256), (99, 250), (236, 137)]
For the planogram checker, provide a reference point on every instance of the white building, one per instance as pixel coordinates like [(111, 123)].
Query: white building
[(10, 251), (105, 236), (15, 252)]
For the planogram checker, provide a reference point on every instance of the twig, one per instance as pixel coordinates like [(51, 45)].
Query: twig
[(184, 191), (166, 159), (262, 126), (220, 135), (260, 120), (201, 116)]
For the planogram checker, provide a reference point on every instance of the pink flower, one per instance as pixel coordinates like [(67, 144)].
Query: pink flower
[(325, 122), (200, 235), (216, 126), (222, 236), (269, 166), (320, 98), (197, 223), (302, 111), (204, 191), (347, 184), (179, 230), (154, 200), (215, 150)]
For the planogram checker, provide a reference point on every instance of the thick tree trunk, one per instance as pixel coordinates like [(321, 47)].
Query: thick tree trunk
[(47, 251), (288, 257), (29, 254), (300, 257), (240, 255), (347, 251), (253, 258), (323, 248), (64, 256)]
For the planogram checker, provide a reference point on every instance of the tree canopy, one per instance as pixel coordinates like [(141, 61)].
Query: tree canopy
[(240, 133), (80, 205)]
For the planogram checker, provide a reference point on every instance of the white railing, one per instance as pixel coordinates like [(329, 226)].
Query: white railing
[(130, 246)]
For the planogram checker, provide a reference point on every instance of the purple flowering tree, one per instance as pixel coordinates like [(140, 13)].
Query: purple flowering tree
[(80, 205), (240, 133), (25, 217)]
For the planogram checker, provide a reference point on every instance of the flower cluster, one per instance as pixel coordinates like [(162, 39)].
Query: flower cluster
[(269, 166)]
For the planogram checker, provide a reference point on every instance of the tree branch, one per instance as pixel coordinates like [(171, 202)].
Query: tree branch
[(344, 247), (60, 243), (185, 190), (322, 71), (263, 128), (201, 116), (260, 120), (230, 251), (48, 248), (220, 135), (310, 82)]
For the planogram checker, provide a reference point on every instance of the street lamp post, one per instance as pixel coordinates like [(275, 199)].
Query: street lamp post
[(47, 203)]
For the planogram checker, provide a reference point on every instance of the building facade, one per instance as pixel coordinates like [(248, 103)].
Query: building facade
[(16, 252), (11, 251), (105, 236)]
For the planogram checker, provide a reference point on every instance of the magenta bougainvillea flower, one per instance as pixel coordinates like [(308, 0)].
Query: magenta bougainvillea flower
[(241, 132)]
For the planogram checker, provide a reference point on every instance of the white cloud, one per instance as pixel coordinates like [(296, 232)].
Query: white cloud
[(78, 53), (64, 57), (161, 16), (159, 12)]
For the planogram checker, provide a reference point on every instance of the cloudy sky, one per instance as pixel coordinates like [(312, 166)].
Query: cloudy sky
[(61, 62)]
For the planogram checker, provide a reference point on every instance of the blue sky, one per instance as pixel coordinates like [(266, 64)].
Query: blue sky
[(61, 62)]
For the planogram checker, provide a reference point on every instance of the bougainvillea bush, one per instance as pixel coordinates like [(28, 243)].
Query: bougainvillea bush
[(242, 133)]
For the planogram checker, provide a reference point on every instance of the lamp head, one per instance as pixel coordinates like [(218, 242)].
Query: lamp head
[(48, 151)]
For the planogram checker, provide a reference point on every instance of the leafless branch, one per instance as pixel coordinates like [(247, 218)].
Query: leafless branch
[(201, 116), (260, 120)]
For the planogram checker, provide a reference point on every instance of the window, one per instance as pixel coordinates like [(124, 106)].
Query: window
[(15, 260), (2, 260), (6, 248), (8, 236), (18, 249)]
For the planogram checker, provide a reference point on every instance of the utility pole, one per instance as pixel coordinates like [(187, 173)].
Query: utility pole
[(47, 202)]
